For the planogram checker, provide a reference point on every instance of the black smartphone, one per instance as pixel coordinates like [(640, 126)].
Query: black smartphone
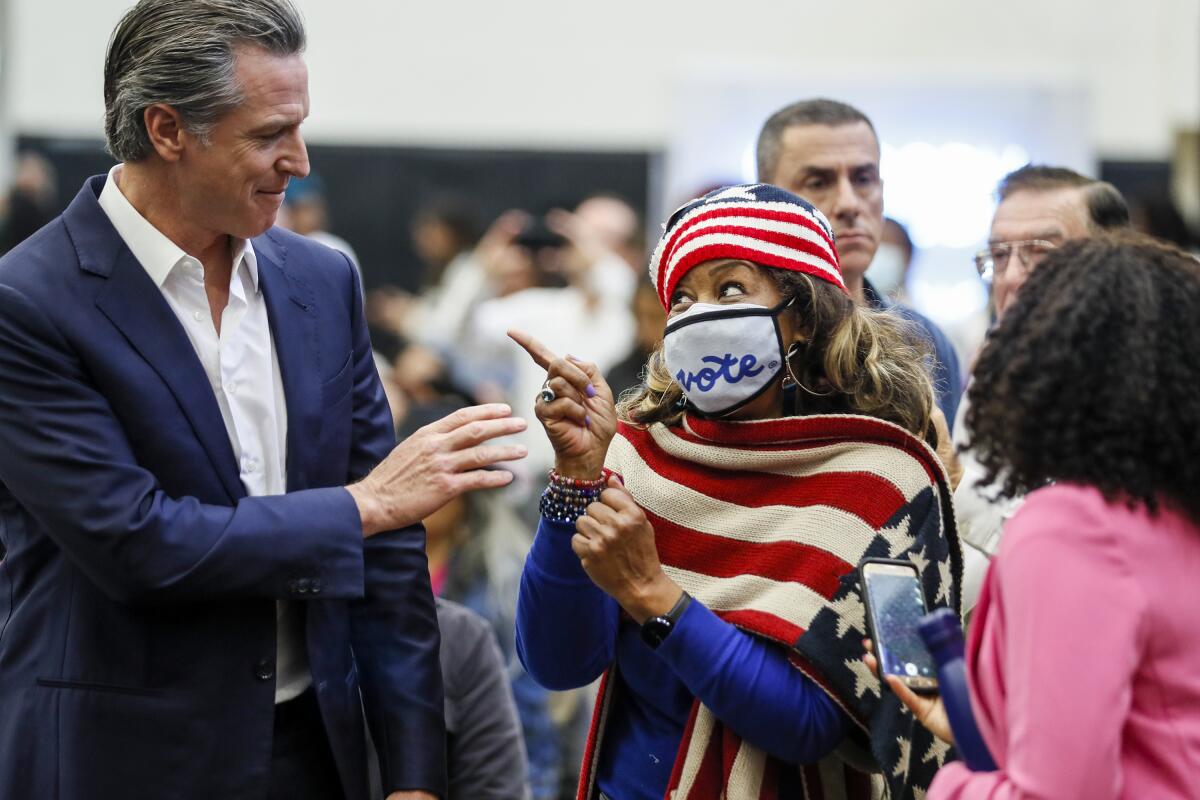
[(895, 604)]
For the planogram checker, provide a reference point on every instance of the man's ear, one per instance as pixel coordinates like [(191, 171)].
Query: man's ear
[(164, 126)]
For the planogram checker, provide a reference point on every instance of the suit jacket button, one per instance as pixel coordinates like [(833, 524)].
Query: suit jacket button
[(316, 587), (303, 585), (264, 670)]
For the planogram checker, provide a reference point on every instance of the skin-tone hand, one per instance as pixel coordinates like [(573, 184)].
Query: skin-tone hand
[(437, 463), (928, 710), (411, 796), (615, 545), (582, 419)]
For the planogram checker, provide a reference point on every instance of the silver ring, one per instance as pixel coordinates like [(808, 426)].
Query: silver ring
[(546, 395)]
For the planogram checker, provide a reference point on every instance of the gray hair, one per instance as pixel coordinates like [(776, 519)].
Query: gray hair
[(1105, 205), (819, 111), (182, 53)]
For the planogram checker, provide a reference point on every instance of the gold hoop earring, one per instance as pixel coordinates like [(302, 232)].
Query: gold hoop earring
[(791, 375)]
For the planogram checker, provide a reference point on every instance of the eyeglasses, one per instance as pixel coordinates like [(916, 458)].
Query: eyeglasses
[(993, 260)]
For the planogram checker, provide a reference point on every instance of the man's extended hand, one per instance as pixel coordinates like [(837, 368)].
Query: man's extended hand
[(437, 463), (411, 796)]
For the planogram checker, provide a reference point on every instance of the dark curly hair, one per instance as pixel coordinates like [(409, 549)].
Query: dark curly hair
[(1093, 376)]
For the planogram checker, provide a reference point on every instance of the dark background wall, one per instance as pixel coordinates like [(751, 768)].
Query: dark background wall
[(373, 192)]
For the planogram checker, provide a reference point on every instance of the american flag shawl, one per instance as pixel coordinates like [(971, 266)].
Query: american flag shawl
[(764, 522)]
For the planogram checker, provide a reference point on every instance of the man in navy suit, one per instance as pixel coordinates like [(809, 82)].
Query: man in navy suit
[(215, 570)]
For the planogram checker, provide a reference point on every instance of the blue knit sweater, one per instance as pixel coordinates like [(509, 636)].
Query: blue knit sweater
[(569, 632)]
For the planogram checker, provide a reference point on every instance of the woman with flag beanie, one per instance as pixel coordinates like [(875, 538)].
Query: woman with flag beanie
[(699, 539)]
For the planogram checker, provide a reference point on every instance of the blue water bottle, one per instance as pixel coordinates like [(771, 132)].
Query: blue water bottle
[(944, 638)]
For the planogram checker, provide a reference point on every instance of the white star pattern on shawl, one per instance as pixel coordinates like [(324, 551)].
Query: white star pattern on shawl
[(901, 768), (864, 678), (735, 193), (917, 557), (898, 538), (937, 750), (850, 614), (944, 583)]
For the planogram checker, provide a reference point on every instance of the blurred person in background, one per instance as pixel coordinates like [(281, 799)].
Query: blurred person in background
[(617, 225), (306, 212), (893, 259), (579, 301), (828, 153), (455, 274), (1040, 208), (485, 756), (476, 547), (459, 272), (1083, 661), (649, 318), (690, 551), (30, 203)]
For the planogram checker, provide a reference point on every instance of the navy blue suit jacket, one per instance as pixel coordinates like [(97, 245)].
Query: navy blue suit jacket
[(137, 597)]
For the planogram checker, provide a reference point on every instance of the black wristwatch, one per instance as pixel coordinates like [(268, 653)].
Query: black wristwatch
[(655, 629)]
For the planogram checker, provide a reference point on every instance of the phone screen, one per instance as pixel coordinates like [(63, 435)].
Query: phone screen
[(897, 605)]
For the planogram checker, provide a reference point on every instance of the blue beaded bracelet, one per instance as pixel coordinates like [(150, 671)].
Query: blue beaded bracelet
[(566, 499)]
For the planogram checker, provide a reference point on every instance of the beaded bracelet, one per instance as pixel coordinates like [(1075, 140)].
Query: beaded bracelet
[(566, 499)]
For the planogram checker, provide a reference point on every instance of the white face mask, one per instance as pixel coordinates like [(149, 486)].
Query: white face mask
[(724, 356)]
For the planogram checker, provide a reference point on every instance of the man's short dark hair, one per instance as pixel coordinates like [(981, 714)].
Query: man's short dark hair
[(1105, 205), (820, 111)]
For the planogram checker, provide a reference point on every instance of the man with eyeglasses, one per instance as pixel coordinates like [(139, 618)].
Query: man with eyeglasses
[(1040, 208)]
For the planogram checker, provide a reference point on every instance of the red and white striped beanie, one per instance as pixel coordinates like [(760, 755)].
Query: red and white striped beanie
[(756, 222)]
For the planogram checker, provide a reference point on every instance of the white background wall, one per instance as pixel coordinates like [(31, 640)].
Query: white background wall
[(543, 73)]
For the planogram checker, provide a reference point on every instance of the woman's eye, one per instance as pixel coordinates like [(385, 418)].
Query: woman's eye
[(680, 301), (732, 290)]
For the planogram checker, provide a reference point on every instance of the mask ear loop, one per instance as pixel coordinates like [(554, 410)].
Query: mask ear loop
[(791, 379)]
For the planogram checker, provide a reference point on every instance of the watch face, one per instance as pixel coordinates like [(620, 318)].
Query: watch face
[(655, 629)]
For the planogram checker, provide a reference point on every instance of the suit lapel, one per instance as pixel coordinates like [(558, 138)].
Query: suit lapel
[(136, 306), (294, 330)]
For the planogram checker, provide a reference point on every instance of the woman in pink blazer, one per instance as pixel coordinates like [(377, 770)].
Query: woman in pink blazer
[(1084, 651)]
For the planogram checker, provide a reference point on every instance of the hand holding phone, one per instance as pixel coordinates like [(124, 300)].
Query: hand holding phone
[(895, 603)]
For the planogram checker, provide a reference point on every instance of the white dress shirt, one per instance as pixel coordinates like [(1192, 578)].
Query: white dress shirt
[(242, 370)]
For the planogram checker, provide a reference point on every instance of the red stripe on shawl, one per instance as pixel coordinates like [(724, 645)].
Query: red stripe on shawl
[(721, 557), (776, 432), (787, 433), (764, 624), (587, 771), (731, 743), (709, 782), (770, 784), (681, 755), (867, 496)]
